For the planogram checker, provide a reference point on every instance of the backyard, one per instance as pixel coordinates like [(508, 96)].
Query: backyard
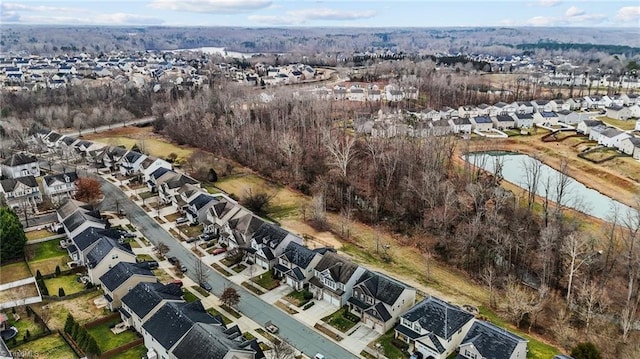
[(13, 272), (19, 293), (68, 282), (625, 125), (136, 352), (46, 256), (107, 340), (38, 234), (49, 347)]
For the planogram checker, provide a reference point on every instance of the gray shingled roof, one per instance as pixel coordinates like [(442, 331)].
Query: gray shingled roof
[(103, 246), (9, 184), (298, 254), (62, 177), (79, 217), (90, 235), (122, 271), (201, 201), (19, 159), (213, 341), (491, 341), (340, 268), (381, 287), (145, 296), (438, 317), (173, 320)]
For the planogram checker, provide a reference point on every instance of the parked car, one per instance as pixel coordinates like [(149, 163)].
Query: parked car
[(129, 235), (319, 356), (183, 268), (181, 220), (208, 236), (192, 239), (172, 260), (219, 251), (150, 264), (206, 286), (177, 282)]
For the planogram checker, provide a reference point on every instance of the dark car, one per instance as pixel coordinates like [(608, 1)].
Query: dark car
[(150, 264), (172, 260), (206, 286), (192, 239), (208, 236), (129, 235)]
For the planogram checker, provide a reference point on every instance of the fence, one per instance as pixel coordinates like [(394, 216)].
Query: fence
[(69, 296), (74, 346), (75, 270), (102, 320), (122, 348)]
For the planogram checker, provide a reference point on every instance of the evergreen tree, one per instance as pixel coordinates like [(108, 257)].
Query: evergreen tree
[(68, 325), (12, 237), (76, 331), (38, 275), (585, 351), (43, 288), (28, 334), (61, 292), (92, 347), (58, 271), (82, 339)]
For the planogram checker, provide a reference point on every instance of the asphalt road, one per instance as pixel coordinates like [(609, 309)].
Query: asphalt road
[(299, 335)]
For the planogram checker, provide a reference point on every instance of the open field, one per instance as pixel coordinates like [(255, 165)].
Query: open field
[(144, 137), (49, 347), (13, 272)]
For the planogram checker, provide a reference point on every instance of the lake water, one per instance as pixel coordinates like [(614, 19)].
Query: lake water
[(578, 196)]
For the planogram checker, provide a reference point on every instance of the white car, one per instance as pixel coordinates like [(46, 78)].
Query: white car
[(182, 220), (319, 356)]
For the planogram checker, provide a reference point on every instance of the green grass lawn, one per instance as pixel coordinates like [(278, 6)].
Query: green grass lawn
[(144, 258), (25, 323), (389, 350), (136, 352), (13, 272), (239, 268), (45, 250), (225, 319), (537, 349), (338, 321), (188, 296), (297, 298), (626, 125), (68, 282), (266, 280), (49, 347), (38, 234), (202, 292), (107, 340)]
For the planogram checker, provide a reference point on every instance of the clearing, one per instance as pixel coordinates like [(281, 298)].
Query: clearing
[(45, 256)]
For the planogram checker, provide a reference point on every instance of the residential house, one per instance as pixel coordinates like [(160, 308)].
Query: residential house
[(20, 165), (150, 165), (333, 279), (121, 278), (130, 163), (60, 187), (523, 120), (169, 324), (559, 105), (144, 300), (576, 104), (155, 175), (595, 102), (215, 341), (618, 112), (631, 146), (545, 118), (503, 122), (542, 106), (502, 108), (596, 131), (630, 99), (460, 125), (440, 128), (485, 110), (268, 243), (21, 192), (468, 111), (197, 208), (51, 140), (379, 300), (611, 137), (67, 149), (374, 95), (482, 123), (434, 328), (296, 264), (585, 126), (448, 113), (485, 340), (429, 115), (523, 107), (106, 253), (169, 186), (356, 93), (82, 219), (232, 223)]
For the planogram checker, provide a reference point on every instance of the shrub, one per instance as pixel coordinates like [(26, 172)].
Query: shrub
[(28, 334), (58, 271), (350, 316), (308, 305), (68, 325), (61, 292), (307, 295), (43, 287), (38, 275), (586, 350)]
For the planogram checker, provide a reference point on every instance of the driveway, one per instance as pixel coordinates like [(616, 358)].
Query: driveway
[(275, 294), (358, 339), (321, 309), (298, 334)]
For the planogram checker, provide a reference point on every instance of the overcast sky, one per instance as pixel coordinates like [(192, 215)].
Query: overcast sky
[(354, 13)]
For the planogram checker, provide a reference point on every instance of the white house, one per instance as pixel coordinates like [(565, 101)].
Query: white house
[(333, 279), (523, 120), (542, 106), (379, 300), (630, 99), (198, 206), (618, 112), (434, 328), (149, 165), (482, 123), (596, 131), (503, 122), (485, 340), (630, 146), (611, 137), (21, 192), (20, 165), (130, 163), (59, 187), (545, 118), (585, 126), (460, 125)]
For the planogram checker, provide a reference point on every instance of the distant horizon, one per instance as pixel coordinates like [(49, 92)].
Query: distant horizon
[(325, 14)]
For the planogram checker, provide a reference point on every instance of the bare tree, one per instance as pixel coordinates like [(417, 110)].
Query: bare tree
[(631, 255), (342, 150), (532, 167), (489, 278), (230, 297), (200, 271), (281, 350), (576, 250), (591, 300)]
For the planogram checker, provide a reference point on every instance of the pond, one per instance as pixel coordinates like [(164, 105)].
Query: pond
[(577, 196)]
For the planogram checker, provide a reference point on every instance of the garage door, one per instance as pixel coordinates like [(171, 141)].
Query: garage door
[(331, 299), (262, 263)]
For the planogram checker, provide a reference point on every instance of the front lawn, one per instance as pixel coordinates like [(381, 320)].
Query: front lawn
[(144, 258), (192, 231), (172, 217), (13, 272), (107, 340), (389, 350), (68, 282), (49, 347), (339, 321), (146, 195), (188, 296), (266, 280), (239, 268), (136, 352), (297, 298), (200, 290)]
